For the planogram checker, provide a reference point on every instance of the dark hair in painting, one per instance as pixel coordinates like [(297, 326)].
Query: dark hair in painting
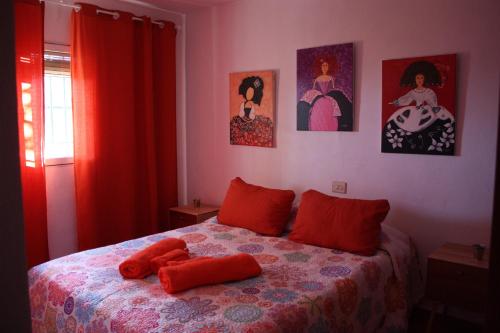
[(254, 82), (331, 60), (426, 68)]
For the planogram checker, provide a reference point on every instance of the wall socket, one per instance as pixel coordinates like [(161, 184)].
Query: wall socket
[(339, 187)]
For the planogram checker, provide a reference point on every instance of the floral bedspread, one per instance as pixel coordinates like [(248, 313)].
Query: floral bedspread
[(302, 289)]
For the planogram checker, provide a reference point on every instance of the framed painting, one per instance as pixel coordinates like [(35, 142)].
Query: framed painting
[(251, 108), (325, 88), (418, 105)]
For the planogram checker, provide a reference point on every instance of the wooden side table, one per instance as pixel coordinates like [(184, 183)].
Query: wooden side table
[(184, 216), (456, 278)]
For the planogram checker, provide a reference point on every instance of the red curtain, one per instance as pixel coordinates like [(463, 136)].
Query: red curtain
[(123, 74), (29, 81)]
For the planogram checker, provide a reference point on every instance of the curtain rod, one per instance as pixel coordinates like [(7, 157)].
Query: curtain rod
[(115, 15)]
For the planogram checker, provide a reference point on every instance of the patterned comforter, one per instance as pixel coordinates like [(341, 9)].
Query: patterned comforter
[(302, 289)]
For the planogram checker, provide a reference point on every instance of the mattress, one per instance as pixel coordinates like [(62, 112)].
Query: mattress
[(302, 288)]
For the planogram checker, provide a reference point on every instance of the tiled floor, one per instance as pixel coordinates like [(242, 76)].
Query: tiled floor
[(441, 324)]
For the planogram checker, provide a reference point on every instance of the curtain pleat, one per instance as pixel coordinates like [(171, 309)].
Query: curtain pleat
[(165, 116), (115, 114), (29, 82)]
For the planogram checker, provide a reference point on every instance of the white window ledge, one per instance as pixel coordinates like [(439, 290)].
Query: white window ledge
[(58, 161)]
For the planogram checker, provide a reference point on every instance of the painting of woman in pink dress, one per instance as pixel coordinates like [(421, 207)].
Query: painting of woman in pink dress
[(324, 88)]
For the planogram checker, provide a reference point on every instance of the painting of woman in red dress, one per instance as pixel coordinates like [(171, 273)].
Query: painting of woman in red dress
[(251, 108)]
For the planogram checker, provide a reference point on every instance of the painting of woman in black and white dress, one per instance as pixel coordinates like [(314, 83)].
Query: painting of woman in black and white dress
[(418, 114)]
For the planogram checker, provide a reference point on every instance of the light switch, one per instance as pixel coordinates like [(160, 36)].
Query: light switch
[(339, 187)]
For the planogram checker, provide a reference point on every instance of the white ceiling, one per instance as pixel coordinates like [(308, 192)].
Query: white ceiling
[(185, 5), (198, 2)]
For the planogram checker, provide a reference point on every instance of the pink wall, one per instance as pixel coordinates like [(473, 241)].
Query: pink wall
[(433, 198), (61, 218)]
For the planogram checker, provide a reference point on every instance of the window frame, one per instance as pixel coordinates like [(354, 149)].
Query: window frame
[(55, 161)]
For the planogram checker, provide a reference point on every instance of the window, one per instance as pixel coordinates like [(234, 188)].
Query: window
[(58, 113)]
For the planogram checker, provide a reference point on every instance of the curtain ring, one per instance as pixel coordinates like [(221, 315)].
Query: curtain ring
[(159, 24)]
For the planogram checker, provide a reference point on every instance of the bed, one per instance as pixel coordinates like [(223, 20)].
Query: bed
[(303, 288)]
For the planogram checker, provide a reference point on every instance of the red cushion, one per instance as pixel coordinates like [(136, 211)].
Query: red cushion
[(351, 225), (257, 208)]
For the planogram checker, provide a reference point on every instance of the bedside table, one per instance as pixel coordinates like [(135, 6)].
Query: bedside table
[(456, 278), (184, 216)]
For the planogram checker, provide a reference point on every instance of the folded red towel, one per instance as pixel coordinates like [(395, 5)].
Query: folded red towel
[(137, 266), (174, 255), (179, 277), (181, 262)]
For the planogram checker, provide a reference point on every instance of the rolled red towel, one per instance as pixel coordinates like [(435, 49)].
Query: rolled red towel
[(208, 271), (174, 255), (137, 266), (181, 262)]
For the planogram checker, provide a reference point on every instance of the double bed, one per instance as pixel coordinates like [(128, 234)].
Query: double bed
[(302, 288)]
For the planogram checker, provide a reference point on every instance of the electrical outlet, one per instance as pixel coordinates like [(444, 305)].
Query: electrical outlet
[(339, 187)]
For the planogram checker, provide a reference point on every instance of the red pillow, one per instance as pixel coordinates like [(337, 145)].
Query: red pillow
[(351, 225), (257, 208)]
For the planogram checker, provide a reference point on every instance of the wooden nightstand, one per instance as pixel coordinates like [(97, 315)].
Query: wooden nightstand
[(456, 278), (184, 216)]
